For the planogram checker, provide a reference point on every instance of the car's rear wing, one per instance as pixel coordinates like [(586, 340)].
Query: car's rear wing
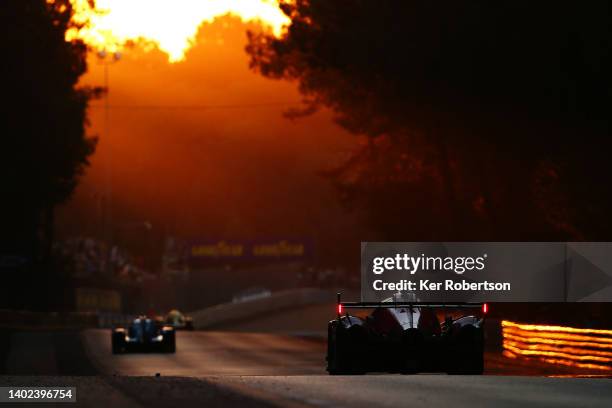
[(342, 306)]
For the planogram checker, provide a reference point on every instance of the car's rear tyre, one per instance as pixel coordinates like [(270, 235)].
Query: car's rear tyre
[(467, 354), (169, 343), (342, 346), (117, 342)]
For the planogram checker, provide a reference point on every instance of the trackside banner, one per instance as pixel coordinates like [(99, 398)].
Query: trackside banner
[(486, 271)]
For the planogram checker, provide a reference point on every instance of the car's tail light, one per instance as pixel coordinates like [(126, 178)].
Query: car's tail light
[(339, 309), (485, 308)]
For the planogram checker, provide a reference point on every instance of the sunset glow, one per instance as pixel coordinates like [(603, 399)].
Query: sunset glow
[(169, 26)]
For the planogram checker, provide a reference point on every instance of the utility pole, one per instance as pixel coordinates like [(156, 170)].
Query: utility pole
[(108, 194)]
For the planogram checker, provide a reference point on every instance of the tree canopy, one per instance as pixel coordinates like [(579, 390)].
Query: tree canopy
[(487, 120), (43, 142)]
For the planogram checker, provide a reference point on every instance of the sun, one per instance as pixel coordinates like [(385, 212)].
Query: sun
[(170, 26)]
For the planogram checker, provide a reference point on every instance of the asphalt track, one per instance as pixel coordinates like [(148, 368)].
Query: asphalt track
[(202, 354), (252, 370)]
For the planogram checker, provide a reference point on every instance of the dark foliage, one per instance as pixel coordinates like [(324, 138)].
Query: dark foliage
[(42, 128), (488, 120)]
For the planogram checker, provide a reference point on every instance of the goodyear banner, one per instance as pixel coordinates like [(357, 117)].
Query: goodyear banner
[(97, 300), (487, 271), (203, 253)]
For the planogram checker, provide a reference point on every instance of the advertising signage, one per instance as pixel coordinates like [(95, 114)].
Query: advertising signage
[(216, 252)]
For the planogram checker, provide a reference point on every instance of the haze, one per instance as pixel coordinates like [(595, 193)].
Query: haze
[(237, 169)]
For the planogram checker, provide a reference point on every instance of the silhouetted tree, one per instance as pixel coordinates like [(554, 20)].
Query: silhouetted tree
[(489, 120), (42, 127)]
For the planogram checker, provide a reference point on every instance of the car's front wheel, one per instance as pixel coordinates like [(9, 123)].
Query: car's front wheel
[(117, 342), (169, 342)]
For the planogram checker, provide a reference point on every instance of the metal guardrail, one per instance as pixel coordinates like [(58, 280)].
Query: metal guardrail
[(109, 320), (277, 301)]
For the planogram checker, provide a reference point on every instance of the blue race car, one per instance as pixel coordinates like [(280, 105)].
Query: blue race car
[(143, 335)]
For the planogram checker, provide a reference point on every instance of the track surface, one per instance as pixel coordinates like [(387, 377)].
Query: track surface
[(290, 369), (213, 353), (253, 370)]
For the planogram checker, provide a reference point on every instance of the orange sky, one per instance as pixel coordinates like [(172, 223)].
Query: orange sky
[(237, 172)]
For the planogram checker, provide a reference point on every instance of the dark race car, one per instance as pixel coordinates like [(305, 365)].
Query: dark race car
[(143, 335), (406, 338)]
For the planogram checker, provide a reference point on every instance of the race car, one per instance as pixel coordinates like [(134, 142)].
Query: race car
[(407, 338), (178, 320), (143, 335)]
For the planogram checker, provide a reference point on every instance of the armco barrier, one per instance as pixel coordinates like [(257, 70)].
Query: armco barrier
[(24, 318), (111, 320), (62, 320), (228, 312)]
